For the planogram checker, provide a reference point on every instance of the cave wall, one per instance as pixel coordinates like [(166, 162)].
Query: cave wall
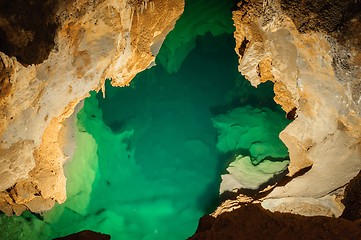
[(311, 51), (49, 63), (313, 61)]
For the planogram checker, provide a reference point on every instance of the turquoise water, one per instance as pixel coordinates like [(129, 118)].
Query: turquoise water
[(149, 156)]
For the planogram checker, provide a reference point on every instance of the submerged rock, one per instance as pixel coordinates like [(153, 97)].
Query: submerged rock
[(252, 130), (244, 175)]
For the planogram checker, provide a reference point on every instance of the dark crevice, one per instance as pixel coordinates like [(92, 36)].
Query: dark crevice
[(258, 71), (333, 17), (243, 47), (291, 115), (28, 28), (287, 179), (352, 199)]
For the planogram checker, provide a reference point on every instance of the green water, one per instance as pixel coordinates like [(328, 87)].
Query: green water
[(200, 17), (149, 156)]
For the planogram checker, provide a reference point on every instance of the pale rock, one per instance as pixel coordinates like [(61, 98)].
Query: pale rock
[(15, 162), (315, 77), (325, 206), (244, 175), (96, 40)]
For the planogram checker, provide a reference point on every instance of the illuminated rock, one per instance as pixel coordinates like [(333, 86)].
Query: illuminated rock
[(92, 41), (316, 70), (244, 175)]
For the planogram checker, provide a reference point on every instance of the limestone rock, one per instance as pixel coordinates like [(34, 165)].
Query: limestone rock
[(80, 43), (325, 206), (301, 47)]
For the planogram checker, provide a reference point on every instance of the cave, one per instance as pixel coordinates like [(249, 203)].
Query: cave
[(165, 119), (149, 156)]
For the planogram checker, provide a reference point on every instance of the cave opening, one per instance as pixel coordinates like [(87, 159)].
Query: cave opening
[(150, 156)]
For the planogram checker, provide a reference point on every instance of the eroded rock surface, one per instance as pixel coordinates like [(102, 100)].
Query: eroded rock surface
[(82, 43), (24, 36), (309, 49)]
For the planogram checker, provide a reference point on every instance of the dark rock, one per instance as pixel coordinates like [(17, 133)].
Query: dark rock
[(340, 19), (85, 235), (329, 15), (253, 222), (352, 200), (27, 29)]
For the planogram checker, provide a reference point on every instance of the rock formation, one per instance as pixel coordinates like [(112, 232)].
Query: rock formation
[(48, 65), (309, 49)]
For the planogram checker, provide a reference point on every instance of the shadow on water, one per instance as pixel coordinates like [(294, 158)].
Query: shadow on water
[(246, 94)]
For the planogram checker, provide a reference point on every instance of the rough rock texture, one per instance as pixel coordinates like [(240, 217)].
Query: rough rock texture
[(253, 222), (311, 51), (52, 53), (30, 39)]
